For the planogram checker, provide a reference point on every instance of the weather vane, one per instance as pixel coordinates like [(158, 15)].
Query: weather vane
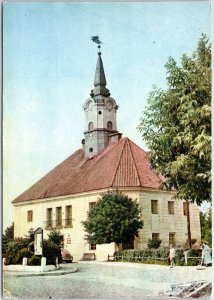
[(96, 40)]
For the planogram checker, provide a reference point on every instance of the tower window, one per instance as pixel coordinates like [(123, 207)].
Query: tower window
[(99, 112), (90, 149), (109, 125), (90, 126)]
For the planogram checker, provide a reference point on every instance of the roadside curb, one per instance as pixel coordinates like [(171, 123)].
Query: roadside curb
[(48, 273)]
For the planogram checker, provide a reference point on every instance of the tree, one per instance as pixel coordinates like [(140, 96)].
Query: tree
[(7, 237), (56, 237), (206, 227), (115, 218), (176, 126), (9, 232)]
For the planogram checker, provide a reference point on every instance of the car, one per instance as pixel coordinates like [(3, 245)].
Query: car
[(66, 256)]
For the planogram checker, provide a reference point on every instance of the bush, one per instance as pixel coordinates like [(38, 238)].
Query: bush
[(193, 253), (179, 257), (154, 244), (12, 253), (24, 252), (151, 256), (56, 237), (34, 260), (18, 248), (51, 251), (6, 238)]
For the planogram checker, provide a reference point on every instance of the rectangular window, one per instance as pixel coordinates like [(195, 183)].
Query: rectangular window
[(155, 236), (49, 218), (92, 246), (154, 206), (172, 238), (91, 205), (171, 207), (58, 216), (68, 216), (185, 208), (30, 216)]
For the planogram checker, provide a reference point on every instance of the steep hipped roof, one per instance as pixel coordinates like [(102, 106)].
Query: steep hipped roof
[(120, 164)]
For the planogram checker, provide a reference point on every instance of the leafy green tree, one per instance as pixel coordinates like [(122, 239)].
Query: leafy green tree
[(56, 237), (177, 125), (206, 227), (7, 237), (9, 232), (115, 218)]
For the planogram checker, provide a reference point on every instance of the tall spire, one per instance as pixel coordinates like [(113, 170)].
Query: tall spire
[(100, 79), (100, 113)]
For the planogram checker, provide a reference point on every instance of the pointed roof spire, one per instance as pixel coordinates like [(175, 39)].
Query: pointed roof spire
[(99, 79)]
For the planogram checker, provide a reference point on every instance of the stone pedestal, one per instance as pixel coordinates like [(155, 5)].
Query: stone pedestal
[(24, 261), (43, 263)]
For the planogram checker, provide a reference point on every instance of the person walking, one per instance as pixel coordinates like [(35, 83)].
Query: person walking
[(205, 257), (172, 256)]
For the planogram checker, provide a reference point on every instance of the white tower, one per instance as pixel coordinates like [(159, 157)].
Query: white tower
[(100, 115)]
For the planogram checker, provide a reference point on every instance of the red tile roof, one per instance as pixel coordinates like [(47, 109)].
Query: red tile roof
[(121, 164)]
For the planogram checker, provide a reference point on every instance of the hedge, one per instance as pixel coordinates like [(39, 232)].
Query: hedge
[(159, 256)]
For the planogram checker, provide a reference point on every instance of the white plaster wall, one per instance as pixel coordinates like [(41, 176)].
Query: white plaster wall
[(74, 241), (165, 223)]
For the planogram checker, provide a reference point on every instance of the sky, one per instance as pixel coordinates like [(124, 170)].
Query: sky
[(49, 66)]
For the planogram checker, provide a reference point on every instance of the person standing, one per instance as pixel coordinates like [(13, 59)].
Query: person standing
[(205, 257), (172, 256)]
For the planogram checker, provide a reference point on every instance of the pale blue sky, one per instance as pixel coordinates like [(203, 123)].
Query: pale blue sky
[(48, 72)]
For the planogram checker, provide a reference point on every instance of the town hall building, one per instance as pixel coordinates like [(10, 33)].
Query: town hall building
[(106, 162)]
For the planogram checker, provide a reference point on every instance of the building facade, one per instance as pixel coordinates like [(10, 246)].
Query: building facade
[(106, 162)]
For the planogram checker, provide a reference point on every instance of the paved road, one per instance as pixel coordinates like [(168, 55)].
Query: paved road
[(104, 280)]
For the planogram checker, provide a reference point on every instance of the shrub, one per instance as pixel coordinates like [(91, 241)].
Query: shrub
[(179, 257), (34, 260), (24, 252), (193, 253), (56, 237), (154, 244), (31, 246), (51, 251), (150, 256), (7, 237), (12, 253)]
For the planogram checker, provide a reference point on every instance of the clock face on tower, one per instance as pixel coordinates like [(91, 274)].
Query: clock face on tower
[(109, 104)]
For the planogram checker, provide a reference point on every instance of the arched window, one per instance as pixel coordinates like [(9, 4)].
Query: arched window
[(90, 149), (90, 126), (109, 125)]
